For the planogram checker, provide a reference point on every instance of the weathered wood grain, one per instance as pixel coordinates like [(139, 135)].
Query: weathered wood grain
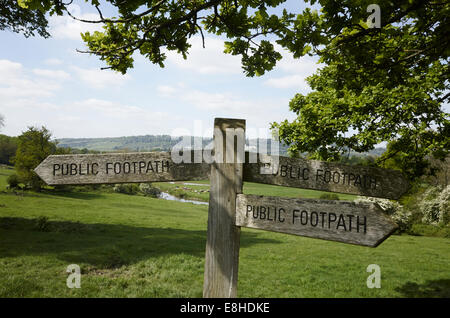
[(222, 245), (342, 221), (118, 168), (326, 176)]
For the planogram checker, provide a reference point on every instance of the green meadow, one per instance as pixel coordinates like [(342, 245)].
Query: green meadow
[(196, 190), (136, 246)]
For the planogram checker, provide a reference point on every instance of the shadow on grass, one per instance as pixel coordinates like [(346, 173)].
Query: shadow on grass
[(54, 194), (75, 194), (432, 288), (102, 246)]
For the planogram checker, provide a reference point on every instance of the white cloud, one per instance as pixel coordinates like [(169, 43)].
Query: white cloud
[(54, 74), (65, 27), (116, 119), (166, 90), (213, 101), (9, 69), (290, 81), (53, 61), (296, 70), (27, 99), (16, 82), (119, 111), (208, 60), (115, 110), (98, 78), (85, 118), (260, 112), (305, 66), (26, 88), (212, 61), (202, 100)]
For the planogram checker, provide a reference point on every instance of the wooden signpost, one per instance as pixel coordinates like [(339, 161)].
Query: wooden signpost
[(223, 236), (327, 176), (229, 209), (334, 220), (118, 168)]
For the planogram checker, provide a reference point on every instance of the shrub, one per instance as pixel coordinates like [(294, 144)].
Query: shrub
[(434, 205), (444, 206), (94, 186), (389, 207), (42, 224), (397, 212), (403, 218), (329, 196), (430, 230), (148, 190), (63, 187), (13, 181), (429, 206), (126, 188)]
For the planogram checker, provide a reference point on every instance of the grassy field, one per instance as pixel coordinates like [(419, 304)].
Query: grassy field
[(5, 171), (196, 190), (135, 246)]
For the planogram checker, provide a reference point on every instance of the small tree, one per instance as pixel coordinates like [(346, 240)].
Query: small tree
[(8, 148), (2, 121), (33, 147)]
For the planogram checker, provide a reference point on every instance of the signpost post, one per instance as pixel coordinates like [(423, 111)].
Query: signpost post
[(229, 209), (223, 236)]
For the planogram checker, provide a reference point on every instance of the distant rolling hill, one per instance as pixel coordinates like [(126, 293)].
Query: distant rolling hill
[(133, 143), (144, 143), (160, 143)]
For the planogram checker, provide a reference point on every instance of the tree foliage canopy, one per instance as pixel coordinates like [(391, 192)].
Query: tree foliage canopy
[(33, 146), (8, 147), (20, 20), (385, 83)]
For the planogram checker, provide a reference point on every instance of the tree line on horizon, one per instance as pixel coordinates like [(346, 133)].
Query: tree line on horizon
[(29, 149)]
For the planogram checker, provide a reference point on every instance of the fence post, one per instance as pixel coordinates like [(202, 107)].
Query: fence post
[(222, 245)]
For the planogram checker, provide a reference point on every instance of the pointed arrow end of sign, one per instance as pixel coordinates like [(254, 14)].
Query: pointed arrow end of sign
[(402, 184), (41, 171), (381, 240), (388, 225)]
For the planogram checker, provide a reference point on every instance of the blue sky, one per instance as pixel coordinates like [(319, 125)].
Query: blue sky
[(46, 82)]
